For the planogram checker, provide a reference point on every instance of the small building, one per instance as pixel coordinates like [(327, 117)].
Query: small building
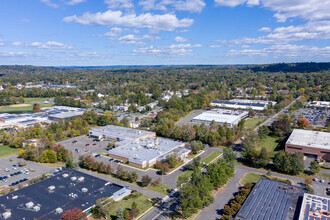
[(314, 208), (310, 143), (319, 104), (221, 116), (271, 200), (239, 105)]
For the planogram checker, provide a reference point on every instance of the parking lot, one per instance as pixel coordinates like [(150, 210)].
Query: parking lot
[(83, 145), (11, 172), (315, 117)]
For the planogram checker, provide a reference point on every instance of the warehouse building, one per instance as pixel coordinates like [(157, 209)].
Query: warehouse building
[(117, 133), (314, 208), (239, 104), (310, 143), (319, 104), (140, 148), (50, 198), (221, 116), (271, 200), (21, 121)]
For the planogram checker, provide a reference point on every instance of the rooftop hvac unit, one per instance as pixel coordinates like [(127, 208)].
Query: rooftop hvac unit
[(36, 208), (80, 179), (29, 205), (73, 178), (58, 211), (84, 190), (51, 188), (65, 175), (6, 215), (15, 197)]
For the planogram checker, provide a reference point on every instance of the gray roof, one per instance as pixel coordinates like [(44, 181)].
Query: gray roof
[(122, 133), (308, 138), (145, 149)]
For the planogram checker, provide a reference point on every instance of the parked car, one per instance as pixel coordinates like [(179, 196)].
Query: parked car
[(75, 141), (6, 169), (14, 167), (94, 144), (316, 179), (97, 155), (322, 181), (87, 144)]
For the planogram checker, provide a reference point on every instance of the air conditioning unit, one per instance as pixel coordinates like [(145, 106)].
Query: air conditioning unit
[(65, 175), (80, 179), (36, 208), (73, 178), (6, 215), (51, 188), (29, 205), (84, 190), (58, 211)]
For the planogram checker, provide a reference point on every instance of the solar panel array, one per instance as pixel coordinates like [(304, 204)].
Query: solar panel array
[(266, 201), (315, 208)]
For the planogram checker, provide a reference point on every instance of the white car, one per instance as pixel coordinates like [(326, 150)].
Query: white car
[(316, 179), (322, 181), (6, 169)]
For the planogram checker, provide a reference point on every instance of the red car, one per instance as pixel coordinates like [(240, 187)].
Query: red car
[(94, 144), (87, 144)]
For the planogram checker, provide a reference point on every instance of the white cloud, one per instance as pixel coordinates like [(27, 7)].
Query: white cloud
[(265, 29), (165, 22), (13, 54), (284, 9), (215, 46), (245, 46), (287, 50), (51, 45), (74, 2), (180, 39), (115, 31), (171, 50), (123, 4), (89, 54), (134, 39), (147, 4), (313, 30), (194, 6), (49, 3), (2, 43)]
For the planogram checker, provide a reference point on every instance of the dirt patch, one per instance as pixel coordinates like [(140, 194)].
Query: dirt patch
[(19, 105), (45, 108)]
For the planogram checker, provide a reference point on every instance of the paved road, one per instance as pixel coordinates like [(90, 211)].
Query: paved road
[(227, 193), (189, 117)]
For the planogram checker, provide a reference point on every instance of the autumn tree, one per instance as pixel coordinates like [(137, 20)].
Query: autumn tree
[(302, 123), (74, 214), (36, 107)]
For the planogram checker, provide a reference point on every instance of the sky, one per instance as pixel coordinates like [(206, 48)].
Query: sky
[(163, 32)]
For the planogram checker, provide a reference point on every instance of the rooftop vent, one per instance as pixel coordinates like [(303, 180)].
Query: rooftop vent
[(51, 188), (73, 178), (80, 179), (65, 175), (29, 205), (14, 197), (36, 208), (58, 211), (6, 215), (84, 190)]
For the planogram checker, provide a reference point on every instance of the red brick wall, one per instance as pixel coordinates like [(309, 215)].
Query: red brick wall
[(308, 150)]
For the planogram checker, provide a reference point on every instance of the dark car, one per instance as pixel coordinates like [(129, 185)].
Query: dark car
[(87, 144), (75, 141), (97, 155)]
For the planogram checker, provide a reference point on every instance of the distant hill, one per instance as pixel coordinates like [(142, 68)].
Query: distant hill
[(292, 67)]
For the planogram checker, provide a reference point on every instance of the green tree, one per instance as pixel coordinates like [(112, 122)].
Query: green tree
[(172, 160), (69, 163), (297, 163), (146, 180), (229, 156), (120, 214), (126, 214), (102, 120), (263, 131), (263, 157), (314, 168), (48, 156)]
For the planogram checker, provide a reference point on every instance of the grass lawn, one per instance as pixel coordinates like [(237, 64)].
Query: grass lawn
[(57, 164), (20, 110), (6, 151), (254, 177), (252, 123), (142, 204), (187, 173), (33, 100), (211, 157), (269, 142), (324, 175)]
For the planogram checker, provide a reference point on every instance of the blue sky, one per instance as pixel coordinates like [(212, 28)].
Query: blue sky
[(151, 32)]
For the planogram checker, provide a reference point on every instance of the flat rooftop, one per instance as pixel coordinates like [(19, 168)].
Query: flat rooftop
[(308, 138), (122, 133), (67, 194), (145, 149), (271, 199), (314, 208), (221, 116)]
